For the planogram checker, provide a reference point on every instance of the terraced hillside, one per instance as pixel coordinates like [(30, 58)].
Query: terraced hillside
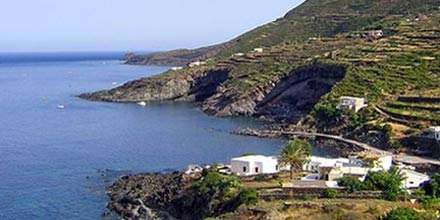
[(313, 18)]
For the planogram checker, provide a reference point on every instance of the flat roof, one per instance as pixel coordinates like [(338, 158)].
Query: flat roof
[(251, 158)]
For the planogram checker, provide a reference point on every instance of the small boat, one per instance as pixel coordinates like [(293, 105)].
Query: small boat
[(60, 106), (142, 103)]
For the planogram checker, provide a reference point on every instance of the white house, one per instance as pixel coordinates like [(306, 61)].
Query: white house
[(176, 68), (352, 103), (435, 131), (238, 54), (317, 162), (375, 34), (196, 63), (413, 179), (254, 165), (332, 169), (258, 50)]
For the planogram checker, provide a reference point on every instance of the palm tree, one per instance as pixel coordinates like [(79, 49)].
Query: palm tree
[(295, 153)]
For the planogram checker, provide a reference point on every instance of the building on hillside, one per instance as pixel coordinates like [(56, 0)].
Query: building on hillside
[(375, 34), (413, 179), (352, 103), (238, 54), (317, 162), (258, 50), (196, 63), (193, 168), (331, 169), (254, 165), (176, 68)]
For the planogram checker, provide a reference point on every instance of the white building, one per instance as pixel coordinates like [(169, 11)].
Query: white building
[(193, 168), (435, 131), (196, 63), (332, 169), (176, 68), (352, 103), (413, 179), (238, 54), (254, 165), (317, 162), (258, 50)]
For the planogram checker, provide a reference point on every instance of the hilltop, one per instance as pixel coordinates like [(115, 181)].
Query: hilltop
[(313, 18)]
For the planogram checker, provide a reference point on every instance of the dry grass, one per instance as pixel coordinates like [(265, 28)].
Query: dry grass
[(334, 209)]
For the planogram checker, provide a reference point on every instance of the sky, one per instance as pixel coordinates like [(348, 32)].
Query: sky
[(129, 25)]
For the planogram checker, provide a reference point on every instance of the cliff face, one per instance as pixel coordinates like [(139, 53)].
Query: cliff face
[(173, 86)]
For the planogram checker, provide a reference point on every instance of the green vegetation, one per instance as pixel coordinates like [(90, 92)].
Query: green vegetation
[(433, 187), (389, 182), (405, 213), (221, 194), (352, 184), (319, 18), (295, 153), (332, 193), (326, 112), (413, 111)]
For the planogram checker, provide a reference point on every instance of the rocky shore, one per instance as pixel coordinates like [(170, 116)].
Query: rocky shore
[(145, 196), (171, 196)]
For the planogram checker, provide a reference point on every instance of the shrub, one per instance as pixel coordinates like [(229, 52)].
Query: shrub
[(326, 112), (352, 184), (332, 193), (430, 203), (404, 213), (248, 196), (389, 182), (432, 188)]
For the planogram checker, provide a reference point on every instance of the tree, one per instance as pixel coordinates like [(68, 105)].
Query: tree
[(432, 188), (295, 153), (390, 182), (352, 184)]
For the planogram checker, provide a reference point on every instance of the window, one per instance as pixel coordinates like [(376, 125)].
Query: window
[(256, 169), (411, 182), (276, 167), (244, 169)]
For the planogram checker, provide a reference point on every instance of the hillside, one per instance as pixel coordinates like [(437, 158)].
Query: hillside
[(313, 18), (299, 83)]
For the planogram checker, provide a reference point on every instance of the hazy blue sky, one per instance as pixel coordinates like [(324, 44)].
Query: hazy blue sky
[(63, 25)]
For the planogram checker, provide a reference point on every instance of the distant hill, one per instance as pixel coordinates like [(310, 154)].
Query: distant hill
[(313, 18)]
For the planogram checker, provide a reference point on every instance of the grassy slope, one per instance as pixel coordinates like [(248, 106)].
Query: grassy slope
[(316, 18)]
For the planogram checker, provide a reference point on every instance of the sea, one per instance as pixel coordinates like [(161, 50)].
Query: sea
[(58, 153)]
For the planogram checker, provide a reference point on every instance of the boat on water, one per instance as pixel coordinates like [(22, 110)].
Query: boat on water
[(142, 103), (60, 106)]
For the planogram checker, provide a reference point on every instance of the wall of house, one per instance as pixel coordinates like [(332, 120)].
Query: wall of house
[(270, 166), (237, 168), (414, 181)]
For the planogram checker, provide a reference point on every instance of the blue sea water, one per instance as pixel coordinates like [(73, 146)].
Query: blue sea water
[(55, 163)]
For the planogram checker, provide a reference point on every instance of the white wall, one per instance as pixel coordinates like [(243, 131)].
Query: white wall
[(237, 168), (254, 166), (413, 179)]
